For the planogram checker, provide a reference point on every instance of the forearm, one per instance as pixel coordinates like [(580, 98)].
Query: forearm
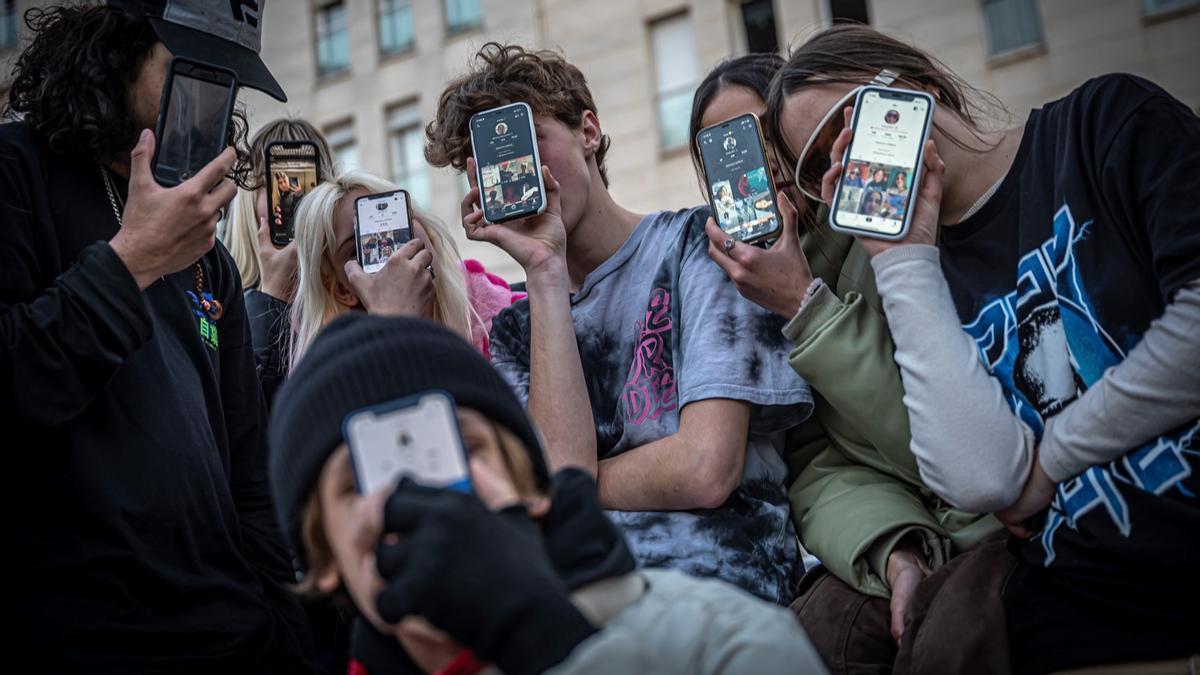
[(558, 397), (697, 467), (1155, 389), (62, 347), (659, 476), (970, 447)]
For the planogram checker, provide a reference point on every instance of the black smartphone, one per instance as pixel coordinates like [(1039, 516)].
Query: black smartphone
[(382, 224), (740, 186), (508, 167), (881, 171), (292, 168), (193, 119)]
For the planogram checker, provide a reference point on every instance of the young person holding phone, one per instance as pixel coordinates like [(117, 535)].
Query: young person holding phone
[(146, 541), (857, 499), (524, 569), (268, 272), (1042, 332), (635, 357), (423, 277)]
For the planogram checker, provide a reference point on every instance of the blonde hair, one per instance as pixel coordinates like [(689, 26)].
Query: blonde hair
[(240, 235), (315, 305)]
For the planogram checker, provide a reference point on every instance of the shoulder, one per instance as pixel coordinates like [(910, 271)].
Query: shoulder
[(20, 148), (1102, 107)]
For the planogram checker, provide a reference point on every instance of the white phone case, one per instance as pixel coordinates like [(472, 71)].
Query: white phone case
[(416, 438)]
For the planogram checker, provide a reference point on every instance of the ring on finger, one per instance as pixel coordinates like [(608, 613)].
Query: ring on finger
[(429, 267), (728, 245)]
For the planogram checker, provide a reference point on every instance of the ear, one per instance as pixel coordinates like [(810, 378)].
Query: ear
[(327, 580), (592, 135)]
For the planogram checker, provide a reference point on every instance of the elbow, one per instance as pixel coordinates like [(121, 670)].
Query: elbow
[(974, 491), (711, 485)]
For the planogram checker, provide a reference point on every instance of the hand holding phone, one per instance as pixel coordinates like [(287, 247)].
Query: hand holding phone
[(927, 204), (166, 230), (538, 243), (880, 173), (741, 189), (404, 286), (415, 437)]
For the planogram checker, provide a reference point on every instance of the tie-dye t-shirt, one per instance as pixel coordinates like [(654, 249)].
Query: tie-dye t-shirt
[(659, 326)]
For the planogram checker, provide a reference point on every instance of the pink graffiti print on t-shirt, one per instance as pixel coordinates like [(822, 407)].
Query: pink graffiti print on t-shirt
[(650, 389)]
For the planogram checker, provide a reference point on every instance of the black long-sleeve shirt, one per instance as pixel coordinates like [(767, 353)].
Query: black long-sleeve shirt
[(143, 531)]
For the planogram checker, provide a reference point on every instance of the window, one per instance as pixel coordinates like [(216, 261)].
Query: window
[(406, 145), (848, 10), (1011, 25), (754, 22), (675, 75), (345, 148), (333, 40), (1156, 7), (8, 24), (463, 14), (395, 26)]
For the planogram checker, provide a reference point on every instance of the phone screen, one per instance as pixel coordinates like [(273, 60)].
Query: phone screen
[(193, 126), (510, 180), (875, 194), (739, 182), (382, 227), (418, 439), (291, 174)]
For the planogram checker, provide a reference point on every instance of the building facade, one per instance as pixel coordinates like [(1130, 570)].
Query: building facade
[(368, 72)]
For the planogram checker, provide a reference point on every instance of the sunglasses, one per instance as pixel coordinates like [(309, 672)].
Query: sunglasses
[(812, 165)]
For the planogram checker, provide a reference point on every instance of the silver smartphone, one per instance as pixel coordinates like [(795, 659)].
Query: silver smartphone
[(881, 171), (415, 437)]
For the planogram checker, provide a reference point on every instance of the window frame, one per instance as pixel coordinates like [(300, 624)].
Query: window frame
[(658, 95), (1019, 53), (317, 12), (408, 47), (459, 28)]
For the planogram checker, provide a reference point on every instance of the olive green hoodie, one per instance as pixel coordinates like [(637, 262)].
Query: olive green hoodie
[(855, 490)]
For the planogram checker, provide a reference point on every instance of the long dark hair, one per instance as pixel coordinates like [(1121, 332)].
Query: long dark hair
[(70, 83), (753, 71), (854, 54)]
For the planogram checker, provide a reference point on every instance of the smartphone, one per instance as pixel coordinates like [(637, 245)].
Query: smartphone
[(740, 186), (508, 167), (881, 170), (292, 168), (194, 115), (415, 437), (382, 224)]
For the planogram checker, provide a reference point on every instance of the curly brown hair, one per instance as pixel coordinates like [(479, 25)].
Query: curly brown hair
[(70, 82), (503, 74)]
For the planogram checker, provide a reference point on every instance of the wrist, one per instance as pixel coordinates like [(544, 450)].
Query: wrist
[(550, 276), (800, 294), (141, 272)]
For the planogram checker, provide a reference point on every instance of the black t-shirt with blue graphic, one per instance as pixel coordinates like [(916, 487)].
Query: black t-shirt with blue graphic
[(1057, 278)]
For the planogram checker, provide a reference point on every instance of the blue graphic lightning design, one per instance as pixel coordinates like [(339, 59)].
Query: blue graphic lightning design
[(1049, 278)]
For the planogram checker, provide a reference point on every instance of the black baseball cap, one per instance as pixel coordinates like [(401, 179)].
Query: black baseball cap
[(226, 34)]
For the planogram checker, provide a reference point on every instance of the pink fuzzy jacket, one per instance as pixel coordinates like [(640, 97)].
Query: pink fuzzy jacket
[(488, 294)]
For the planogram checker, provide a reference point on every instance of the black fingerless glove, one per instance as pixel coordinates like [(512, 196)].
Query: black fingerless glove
[(583, 544), (484, 578)]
